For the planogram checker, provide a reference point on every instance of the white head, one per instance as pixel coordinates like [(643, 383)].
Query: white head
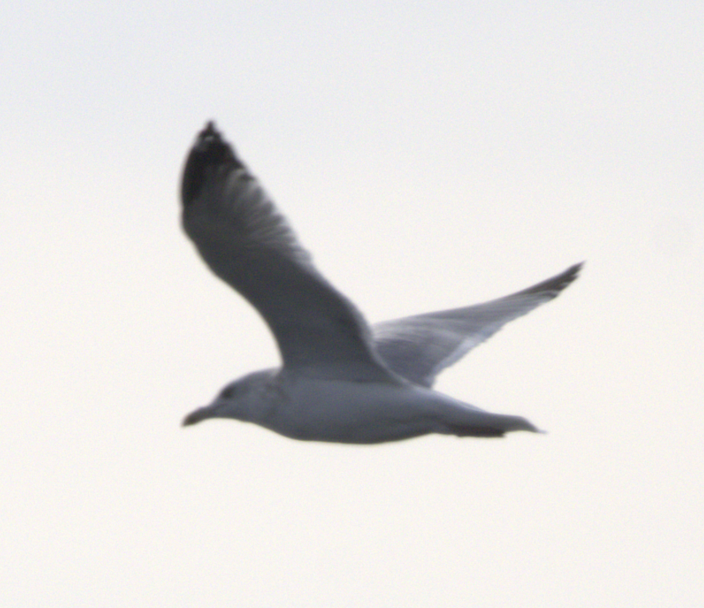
[(243, 399)]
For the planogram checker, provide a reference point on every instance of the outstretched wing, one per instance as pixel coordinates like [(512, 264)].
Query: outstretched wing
[(418, 348), (248, 244)]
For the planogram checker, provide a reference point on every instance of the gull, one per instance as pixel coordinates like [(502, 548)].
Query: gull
[(342, 380)]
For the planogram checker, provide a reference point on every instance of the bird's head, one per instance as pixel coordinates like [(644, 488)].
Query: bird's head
[(243, 399)]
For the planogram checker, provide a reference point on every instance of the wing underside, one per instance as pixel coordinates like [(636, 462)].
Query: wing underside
[(248, 244), (418, 348)]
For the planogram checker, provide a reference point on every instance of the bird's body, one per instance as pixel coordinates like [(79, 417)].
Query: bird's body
[(349, 411), (341, 381)]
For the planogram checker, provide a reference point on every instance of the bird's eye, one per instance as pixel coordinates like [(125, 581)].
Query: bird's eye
[(228, 392)]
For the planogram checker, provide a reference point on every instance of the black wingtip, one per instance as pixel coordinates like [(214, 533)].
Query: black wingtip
[(570, 274), (554, 285), (209, 152), (209, 130)]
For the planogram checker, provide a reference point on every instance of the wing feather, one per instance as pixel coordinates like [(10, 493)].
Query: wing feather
[(418, 348), (248, 244)]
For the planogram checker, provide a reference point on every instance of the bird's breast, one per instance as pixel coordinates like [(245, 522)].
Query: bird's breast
[(350, 412)]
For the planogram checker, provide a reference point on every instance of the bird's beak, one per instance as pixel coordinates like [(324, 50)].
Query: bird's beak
[(196, 416)]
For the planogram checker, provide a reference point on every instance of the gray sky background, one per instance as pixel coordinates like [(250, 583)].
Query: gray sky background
[(430, 155)]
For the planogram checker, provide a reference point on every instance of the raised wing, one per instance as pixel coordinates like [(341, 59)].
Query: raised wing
[(248, 244), (418, 348)]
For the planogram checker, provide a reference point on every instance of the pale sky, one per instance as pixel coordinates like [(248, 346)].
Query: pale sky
[(430, 155)]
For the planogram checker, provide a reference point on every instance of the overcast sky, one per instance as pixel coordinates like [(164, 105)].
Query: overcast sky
[(430, 155)]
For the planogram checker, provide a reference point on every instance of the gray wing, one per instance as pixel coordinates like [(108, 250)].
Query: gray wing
[(418, 348), (248, 244)]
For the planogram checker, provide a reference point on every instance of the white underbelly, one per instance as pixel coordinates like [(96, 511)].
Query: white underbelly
[(357, 412)]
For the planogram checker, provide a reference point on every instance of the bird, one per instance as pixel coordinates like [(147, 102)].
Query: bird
[(341, 379)]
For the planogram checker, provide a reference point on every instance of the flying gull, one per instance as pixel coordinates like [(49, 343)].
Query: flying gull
[(341, 380)]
